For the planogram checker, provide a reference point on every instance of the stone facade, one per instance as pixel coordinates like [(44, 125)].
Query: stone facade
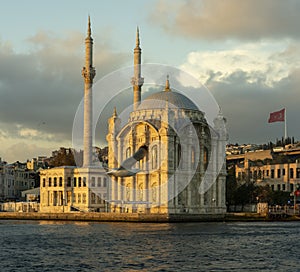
[(180, 146), (68, 188), (279, 176)]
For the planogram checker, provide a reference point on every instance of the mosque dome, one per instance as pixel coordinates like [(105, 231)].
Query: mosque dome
[(175, 100)]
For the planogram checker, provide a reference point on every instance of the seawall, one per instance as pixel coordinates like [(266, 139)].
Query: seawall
[(110, 217), (140, 217)]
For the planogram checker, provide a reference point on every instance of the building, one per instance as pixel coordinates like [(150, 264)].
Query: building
[(69, 188), (279, 176), (180, 147), (15, 178)]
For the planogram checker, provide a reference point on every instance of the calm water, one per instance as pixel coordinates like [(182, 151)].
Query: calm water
[(56, 246)]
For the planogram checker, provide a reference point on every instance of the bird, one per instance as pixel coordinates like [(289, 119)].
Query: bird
[(126, 170)]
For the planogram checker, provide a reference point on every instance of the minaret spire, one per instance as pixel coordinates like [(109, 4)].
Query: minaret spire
[(137, 81), (88, 73), (89, 32), (167, 88), (137, 40)]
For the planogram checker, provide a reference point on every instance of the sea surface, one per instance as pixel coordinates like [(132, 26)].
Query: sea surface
[(79, 246)]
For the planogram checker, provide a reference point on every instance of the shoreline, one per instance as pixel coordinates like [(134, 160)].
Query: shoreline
[(140, 218)]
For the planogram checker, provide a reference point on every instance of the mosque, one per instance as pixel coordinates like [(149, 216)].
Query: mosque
[(157, 161)]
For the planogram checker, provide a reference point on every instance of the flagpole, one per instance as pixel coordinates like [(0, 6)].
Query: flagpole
[(285, 126)]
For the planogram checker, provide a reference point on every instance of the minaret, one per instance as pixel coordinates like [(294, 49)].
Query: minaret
[(137, 81), (88, 73)]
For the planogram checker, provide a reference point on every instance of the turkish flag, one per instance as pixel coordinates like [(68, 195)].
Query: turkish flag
[(277, 116)]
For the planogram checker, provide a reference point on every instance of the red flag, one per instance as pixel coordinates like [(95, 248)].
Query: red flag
[(277, 116)]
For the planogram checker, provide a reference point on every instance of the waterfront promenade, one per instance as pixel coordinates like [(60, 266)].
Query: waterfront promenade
[(140, 217)]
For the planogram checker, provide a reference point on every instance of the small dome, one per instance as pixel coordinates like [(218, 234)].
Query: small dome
[(158, 101)]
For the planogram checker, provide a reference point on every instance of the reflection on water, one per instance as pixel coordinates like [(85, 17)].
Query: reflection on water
[(87, 246)]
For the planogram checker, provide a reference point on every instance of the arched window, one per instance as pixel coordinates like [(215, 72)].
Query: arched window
[(178, 155), (154, 189), (69, 182), (154, 157), (193, 159), (93, 182), (74, 182), (140, 192), (60, 181), (128, 192), (205, 158), (79, 182), (128, 152), (55, 182)]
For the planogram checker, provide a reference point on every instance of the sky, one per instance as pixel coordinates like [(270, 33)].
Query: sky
[(246, 53)]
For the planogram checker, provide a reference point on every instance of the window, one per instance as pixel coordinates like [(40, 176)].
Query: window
[(193, 160), (50, 182), (98, 199), (154, 157), (127, 192), (104, 182), (55, 182), (292, 187), (93, 198), (278, 173), (69, 182), (140, 192), (291, 173), (272, 187), (255, 174), (283, 187), (60, 181), (267, 173), (79, 182), (44, 182), (278, 187), (99, 182), (93, 182), (298, 173), (283, 171), (83, 198), (84, 181), (205, 158), (272, 173), (74, 182), (79, 198), (69, 197), (179, 156), (128, 152), (259, 174)]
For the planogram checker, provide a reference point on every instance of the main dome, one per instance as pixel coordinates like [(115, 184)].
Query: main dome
[(158, 101)]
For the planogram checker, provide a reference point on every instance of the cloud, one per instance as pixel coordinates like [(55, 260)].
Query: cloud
[(22, 151), (256, 62), (41, 89), (215, 19)]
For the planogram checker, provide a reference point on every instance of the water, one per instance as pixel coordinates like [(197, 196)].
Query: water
[(71, 246)]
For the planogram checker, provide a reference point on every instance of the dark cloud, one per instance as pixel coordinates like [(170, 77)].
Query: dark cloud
[(45, 86), (247, 106), (215, 19)]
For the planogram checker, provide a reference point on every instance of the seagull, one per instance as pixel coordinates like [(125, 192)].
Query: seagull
[(126, 170)]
